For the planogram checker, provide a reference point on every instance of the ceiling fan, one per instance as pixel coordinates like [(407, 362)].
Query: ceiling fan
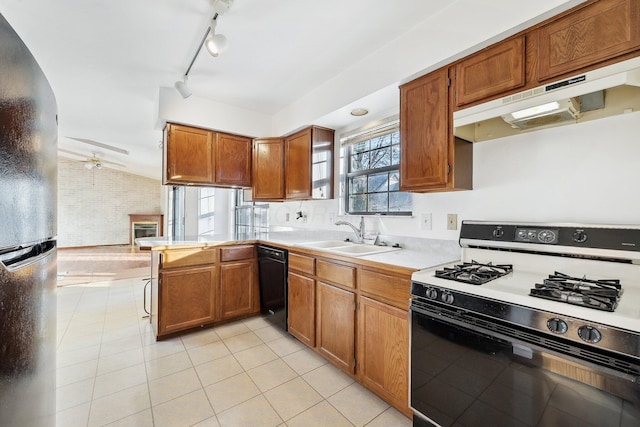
[(92, 162)]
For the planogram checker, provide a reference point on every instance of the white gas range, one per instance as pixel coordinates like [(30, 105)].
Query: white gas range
[(545, 295)]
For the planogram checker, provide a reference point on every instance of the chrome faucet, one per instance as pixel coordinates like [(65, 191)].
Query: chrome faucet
[(358, 231)]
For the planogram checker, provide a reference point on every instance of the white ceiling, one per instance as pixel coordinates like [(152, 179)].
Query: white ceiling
[(107, 59)]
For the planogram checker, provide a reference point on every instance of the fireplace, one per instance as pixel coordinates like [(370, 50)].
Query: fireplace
[(144, 225)]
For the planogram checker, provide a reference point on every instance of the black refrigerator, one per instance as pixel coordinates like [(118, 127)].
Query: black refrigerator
[(28, 192)]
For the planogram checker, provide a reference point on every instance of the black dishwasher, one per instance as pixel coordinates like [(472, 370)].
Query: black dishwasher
[(273, 284)]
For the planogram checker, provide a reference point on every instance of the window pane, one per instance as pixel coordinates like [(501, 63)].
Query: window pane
[(358, 185), (359, 161), (380, 158), (242, 216), (357, 203), (378, 182), (395, 155), (394, 181), (361, 146), (399, 202), (381, 141), (378, 202)]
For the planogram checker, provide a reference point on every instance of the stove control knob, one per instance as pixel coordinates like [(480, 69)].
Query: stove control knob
[(579, 236), (557, 326), (431, 293), (447, 297), (589, 334), (498, 233)]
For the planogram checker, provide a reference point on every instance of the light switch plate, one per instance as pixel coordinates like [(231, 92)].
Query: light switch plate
[(452, 221)]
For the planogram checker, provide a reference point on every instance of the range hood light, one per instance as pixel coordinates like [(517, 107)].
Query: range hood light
[(546, 114), (535, 111)]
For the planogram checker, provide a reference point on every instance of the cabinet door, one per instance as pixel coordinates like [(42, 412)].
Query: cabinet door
[(187, 298), (383, 351), (598, 32), (232, 160), (301, 308), (238, 289), (336, 325), (188, 155), (490, 72), (425, 147), (297, 160), (268, 169)]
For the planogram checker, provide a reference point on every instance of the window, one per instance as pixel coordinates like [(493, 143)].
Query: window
[(206, 210), (372, 178), (251, 219)]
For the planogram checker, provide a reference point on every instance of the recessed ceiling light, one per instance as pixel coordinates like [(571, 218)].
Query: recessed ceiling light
[(359, 112)]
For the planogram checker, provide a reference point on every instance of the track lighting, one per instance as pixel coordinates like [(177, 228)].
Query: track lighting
[(215, 43), (181, 86)]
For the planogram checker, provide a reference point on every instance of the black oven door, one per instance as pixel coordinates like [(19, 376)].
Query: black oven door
[(465, 375)]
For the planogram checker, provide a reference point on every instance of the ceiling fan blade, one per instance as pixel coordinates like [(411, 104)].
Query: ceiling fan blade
[(107, 162), (73, 153), (101, 145), (85, 158)]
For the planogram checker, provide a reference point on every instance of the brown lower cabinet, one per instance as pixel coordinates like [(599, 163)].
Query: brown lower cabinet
[(383, 349), (357, 318), (238, 289), (301, 313), (198, 287), (336, 325), (188, 298)]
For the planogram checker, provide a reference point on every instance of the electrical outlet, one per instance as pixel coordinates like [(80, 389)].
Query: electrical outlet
[(286, 216), (452, 221), (425, 223)]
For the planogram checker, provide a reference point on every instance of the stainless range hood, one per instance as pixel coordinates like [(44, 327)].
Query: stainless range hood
[(566, 101)]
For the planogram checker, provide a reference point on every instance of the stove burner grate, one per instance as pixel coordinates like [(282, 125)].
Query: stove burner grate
[(601, 294), (474, 273)]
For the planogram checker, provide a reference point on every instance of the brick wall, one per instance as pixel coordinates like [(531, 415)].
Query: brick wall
[(94, 205)]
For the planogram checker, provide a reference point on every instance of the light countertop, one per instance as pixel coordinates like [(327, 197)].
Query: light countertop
[(416, 253)]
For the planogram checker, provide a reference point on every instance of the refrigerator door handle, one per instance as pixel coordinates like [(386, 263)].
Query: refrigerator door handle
[(24, 256)]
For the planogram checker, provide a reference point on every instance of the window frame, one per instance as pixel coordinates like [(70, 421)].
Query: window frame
[(383, 128)]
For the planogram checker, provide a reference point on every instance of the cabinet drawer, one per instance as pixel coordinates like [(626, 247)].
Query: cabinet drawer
[(304, 264), (187, 257), (335, 273), (235, 253), (394, 290)]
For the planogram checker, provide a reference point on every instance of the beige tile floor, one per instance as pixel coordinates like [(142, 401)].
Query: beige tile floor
[(247, 373)]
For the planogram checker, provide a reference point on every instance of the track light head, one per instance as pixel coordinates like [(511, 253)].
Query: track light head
[(182, 88), (216, 44)]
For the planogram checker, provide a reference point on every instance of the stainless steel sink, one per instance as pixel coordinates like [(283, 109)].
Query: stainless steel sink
[(347, 248)]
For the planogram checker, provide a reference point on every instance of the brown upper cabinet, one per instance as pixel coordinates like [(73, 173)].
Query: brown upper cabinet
[(187, 155), (431, 159), (205, 157), (598, 32), (268, 169), (308, 159), (490, 72), (232, 163)]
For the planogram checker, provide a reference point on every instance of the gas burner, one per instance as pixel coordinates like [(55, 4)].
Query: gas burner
[(599, 294), (474, 273)]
